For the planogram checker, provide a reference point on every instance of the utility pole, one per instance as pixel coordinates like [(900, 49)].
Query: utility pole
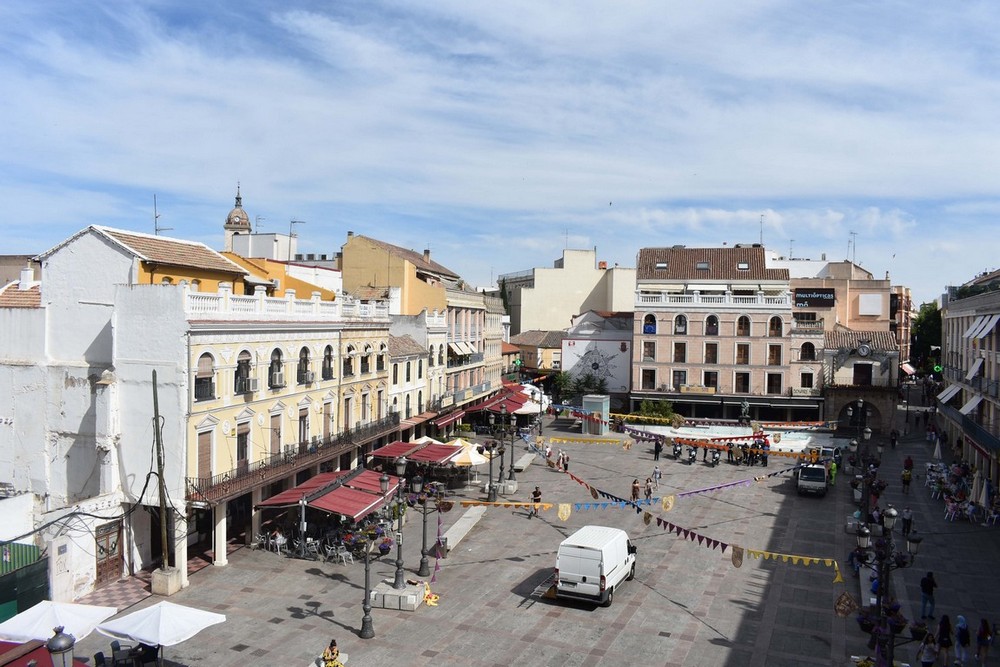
[(158, 436)]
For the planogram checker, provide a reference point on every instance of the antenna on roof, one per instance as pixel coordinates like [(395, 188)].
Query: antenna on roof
[(791, 242), (156, 221), (852, 245), (761, 229)]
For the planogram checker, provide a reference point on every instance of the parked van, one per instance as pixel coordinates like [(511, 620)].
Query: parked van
[(812, 479), (593, 562)]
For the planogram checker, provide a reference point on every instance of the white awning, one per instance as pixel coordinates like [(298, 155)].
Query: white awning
[(907, 368), (975, 325), (975, 369), (971, 404), (468, 347), (454, 347), (707, 288), (946, 395), (987, 328)]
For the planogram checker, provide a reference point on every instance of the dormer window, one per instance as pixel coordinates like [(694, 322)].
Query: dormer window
[(661, 266), (701, 266), (743, 266)]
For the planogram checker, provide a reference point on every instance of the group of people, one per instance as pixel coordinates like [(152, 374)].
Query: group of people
[(562, 459), (636, 488), (936, 647), (747, 455)]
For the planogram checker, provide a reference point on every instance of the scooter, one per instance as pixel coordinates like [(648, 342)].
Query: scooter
[(677, 451), (716, 457), (692, 455)]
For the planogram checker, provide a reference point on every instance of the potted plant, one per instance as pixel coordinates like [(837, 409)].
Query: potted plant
[(385, 545)]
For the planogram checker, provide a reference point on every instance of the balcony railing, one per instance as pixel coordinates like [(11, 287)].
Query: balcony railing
[(644, 300), (224, 305), (278, 466)]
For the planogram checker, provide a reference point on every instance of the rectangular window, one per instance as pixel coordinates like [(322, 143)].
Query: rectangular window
[(276, 433), (711, 353), (680, 353), (743, 266), (648, 351), (648, 379), (680, 379), (701, 266), (773, 355), (863, 374), (395, 373), (806, 381), (420, 369), (743, 354), (710, 379), (742, 383), (242, 446), (408, 371), (774, 383)]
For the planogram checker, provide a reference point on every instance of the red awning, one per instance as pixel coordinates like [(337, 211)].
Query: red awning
[(414, 421), (432, 453), (349, 502), (449, 419), (369, 481), (294, 496), (396, 449)]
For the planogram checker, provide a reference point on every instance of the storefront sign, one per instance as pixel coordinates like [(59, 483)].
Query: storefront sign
[(815, 298)]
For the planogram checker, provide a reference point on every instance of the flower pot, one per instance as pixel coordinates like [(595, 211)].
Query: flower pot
[(866, 625)]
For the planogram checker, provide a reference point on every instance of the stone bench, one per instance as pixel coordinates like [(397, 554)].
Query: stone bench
[(522, 463)]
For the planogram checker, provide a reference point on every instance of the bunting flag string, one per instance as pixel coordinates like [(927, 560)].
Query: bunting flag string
[(588, 441), (507, 504)]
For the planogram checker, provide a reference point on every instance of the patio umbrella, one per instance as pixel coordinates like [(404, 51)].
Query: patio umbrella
[(977, 484), (937, 450), (469, 457), (426, 440), (162, 624), (39, 621)]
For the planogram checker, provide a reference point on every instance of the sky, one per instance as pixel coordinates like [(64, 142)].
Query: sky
[(498, 134)]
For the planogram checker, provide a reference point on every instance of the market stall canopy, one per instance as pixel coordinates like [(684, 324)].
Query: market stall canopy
[(427, 440), (350, 502), (469, 456), (162, 624), (294, 496), (422, 452), (38, 621), (353, 494)]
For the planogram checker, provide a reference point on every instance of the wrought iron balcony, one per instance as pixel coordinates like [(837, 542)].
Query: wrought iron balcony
[(240, 480)]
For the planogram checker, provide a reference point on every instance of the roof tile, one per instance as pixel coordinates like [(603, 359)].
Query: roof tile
[(681, 263)]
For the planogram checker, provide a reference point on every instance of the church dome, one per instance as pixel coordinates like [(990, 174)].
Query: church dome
[(238, 220)]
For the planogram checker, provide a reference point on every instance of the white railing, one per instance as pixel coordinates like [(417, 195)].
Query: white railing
[(225, 305), (759, 301)]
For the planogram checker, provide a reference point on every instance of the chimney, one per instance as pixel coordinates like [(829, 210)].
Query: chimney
[(27, 277), (427, 254), (350, 234)]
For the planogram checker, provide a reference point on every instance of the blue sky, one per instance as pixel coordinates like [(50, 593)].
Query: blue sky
[(498, 134)]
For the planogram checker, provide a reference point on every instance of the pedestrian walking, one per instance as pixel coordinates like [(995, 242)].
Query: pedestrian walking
[(927, 586), (907, 520), (906, 477), (559, 459), (649, 489), (984, 638), (656, 476), (927, 654), (565, 462), (635, 490), (893, 437), (962, 640), (536, 497), (945, 639), (908, 463), (657, 448)]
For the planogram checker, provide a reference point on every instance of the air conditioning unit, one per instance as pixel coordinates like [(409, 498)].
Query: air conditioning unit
[(250, 385), (278, 379), (664, 387), (308, 377)]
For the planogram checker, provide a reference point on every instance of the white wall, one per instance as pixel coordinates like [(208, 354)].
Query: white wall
[(325, 278), (18, 514)]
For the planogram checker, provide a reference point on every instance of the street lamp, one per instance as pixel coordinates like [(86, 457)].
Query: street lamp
[(886, 558), (491, 493), (60, 647), (367, 629), (418, 487), (399, 582), (513, 429), (864, 433)]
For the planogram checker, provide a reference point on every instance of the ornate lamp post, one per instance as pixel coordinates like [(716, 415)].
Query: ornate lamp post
[(864, 433), (399, 582), (513, 421), (60, 647), (367, 629), (499, 435), (491, 493), (541, 407), (418, 487), (886, 558)]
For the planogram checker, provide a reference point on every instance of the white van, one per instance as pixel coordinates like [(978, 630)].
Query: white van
[(592, 562), (812, 478)]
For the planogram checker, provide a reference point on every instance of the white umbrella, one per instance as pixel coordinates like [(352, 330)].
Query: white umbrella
[(984, 499), (162, 624), (977, 484), (424, 440), (39, 621), (937, 450)]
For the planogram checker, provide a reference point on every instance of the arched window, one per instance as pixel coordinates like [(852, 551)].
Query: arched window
[(680, 325), (743, 326), (304, 375), (275, 373), (366, 360), (808, 352), (167, 280), (381, 359), (407, 414), (649, 324), (712, 326), (328, 363), (774, 328), (195, 285), (242, 382), (204, 378), (440, 355), (395, 373), (420, 402), (430, 358), (349, 361), (408, 378)]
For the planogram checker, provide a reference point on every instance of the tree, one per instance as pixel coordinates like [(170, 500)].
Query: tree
[(588, 383), (656, 409), (925, 332), (504, 296), (561, 383)]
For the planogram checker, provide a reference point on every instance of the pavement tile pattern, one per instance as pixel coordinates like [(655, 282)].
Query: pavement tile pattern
[(688, 604)]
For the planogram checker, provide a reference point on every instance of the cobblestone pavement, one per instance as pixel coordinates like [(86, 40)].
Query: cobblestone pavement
[(688, 604)]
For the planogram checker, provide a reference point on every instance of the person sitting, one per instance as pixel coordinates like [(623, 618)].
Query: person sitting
[(331, 655)]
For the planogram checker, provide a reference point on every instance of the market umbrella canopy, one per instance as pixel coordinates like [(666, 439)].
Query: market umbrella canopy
[(469, 456), (163, 624), (39, 621), (937, 451)]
